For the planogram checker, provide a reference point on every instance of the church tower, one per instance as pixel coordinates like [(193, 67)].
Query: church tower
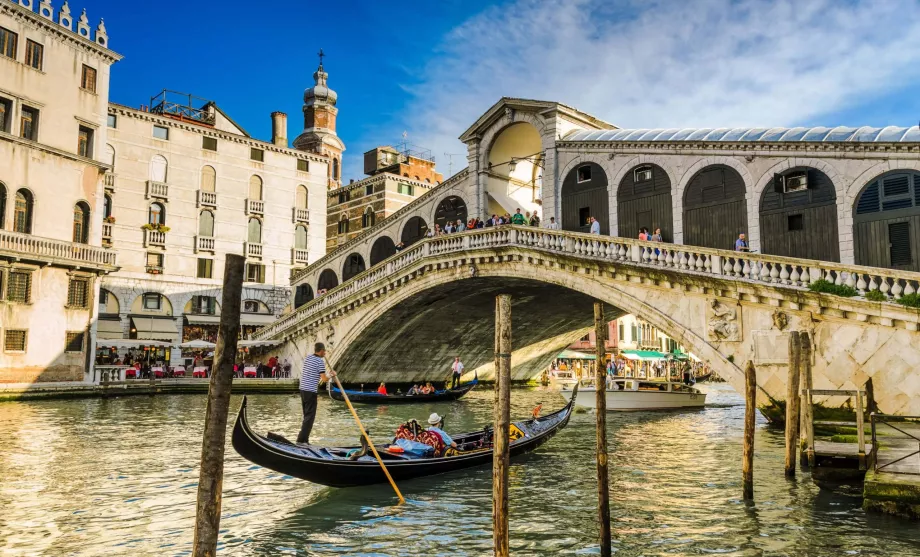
[(319, 113)]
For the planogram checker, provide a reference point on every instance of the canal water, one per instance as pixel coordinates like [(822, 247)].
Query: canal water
[(118, 477)]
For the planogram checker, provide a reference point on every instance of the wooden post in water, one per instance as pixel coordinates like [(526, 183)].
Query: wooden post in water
[(871, 406), (747, 455), (807, 428), (211, 477), (792, 402), (600, 385), (502, 421)]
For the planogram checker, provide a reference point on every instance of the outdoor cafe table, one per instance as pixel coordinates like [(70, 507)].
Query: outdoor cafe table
[(179, 371), (200, 371), (158, 372), (249, 371)]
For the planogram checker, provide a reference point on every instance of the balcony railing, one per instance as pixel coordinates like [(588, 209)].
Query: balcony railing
[(300, 256), (207, 199), (107, 232), (47, 250), (255, 207), (252, 249), (154, 238), (157, 189), (204, 243), (301, 215), (109, 182)]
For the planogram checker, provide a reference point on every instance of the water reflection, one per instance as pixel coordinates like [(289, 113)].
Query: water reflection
[(119, 477)]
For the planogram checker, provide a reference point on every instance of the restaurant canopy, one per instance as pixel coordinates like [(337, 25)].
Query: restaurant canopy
[(131, 343), (575, 355), (198, 344), (109, 328), (254, 343), (643, 355), (154, 329)]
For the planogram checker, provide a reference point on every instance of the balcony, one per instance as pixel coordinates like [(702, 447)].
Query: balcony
[(255, 207), (300, 256), (301, 215), (204, 243), (107, 233), (207, 199), (153, 238), (252, 250), (26, 247), (109, 182), (158, 190)]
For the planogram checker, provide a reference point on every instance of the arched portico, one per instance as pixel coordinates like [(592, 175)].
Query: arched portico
[(383, 248), (514, 166), (644, 201), (327, 281)]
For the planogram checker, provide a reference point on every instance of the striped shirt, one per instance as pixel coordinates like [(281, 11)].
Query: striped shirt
[(313, 366)]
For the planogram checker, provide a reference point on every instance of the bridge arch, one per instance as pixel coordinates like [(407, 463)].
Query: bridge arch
[(644, 201), (413, 230), (302, 294), (382, 248), (798, 215), (327, 281), (354, 265), (584, 193), (715, 207)]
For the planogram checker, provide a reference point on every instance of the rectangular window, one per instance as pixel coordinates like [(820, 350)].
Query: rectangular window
[(34, 54), (642, 174), (584, 173), (77, 293), (899, 242), (19, 287), (6, 115), (112, 121), (368, 190), (406, 189), (209, 143), (8, 42), (88, 79), (621, 332), (257, 154), (634, 333), (155, 260), (14, 340), (204, 305), (796, 222), (255, 272), (583, 214), (205, 268), (343, 197), (161, 132), (28, 123), (74, 341), (303, 165), (85, 142), (152, 301)]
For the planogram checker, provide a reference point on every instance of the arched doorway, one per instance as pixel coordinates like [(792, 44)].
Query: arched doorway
[(584, 194), (886, 222), (644, 201), (798, 216), (715, 212), (327, 280), (515, 166), (354, 265), (450, 209), (414, 230), (382, 249), (302, 294)]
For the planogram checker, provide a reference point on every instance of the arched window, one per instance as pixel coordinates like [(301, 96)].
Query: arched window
[(369, 218), (81, 222), (107, 206), (255, 231), (208, 179), (335, 169), (206, 224), (343, 225), (22, 213), (109, 155), (255, 188), (157, 214), (300, 237), (158, 168), (301, 201), (2, 205)]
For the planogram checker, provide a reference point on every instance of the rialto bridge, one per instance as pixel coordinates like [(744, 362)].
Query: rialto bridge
[(813, 202)]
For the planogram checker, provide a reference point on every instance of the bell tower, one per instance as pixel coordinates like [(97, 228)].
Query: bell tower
[(319, 114)]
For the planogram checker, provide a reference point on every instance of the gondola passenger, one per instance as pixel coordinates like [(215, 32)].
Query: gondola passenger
[(413, 391), (435, 423), (382, 389)]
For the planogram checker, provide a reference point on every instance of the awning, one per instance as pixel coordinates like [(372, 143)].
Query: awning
[(131, 343), (155, 329), (108, 328), (645, 355), (253, 343), (256, 319), (573, 355), (202, 319), (201, 344)]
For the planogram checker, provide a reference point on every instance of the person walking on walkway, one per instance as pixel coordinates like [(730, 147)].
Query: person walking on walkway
[(314, 369), (595, 226), (456, 371)]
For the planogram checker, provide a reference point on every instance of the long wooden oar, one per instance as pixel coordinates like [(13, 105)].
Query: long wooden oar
[(364, 433)]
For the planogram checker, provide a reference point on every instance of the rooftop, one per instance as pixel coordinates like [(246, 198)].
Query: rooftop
[(840, 134)]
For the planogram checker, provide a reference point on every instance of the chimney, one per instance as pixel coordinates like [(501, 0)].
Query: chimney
[(279, 129)]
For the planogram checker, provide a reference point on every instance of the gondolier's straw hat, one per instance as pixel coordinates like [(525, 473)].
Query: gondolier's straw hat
[(434, 419)]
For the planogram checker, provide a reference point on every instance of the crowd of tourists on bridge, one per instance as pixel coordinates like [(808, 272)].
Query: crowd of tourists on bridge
[(518, 218)]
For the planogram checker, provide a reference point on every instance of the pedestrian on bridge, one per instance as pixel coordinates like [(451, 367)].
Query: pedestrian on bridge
[(518, 218), (314, 369), (741, 244), (595, 226), (552, 224), (456, 371)]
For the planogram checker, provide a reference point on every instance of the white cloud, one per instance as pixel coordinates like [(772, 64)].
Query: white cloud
[(705, 63)]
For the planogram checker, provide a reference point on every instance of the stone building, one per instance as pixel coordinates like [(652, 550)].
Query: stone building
[(319, 115), (54, 84), (188, 186)]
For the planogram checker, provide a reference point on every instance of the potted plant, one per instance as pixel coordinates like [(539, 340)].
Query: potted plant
[(110, 219)]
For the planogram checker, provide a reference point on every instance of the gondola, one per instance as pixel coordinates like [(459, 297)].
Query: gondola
[(332, 466), (701, 378), (374, 397)]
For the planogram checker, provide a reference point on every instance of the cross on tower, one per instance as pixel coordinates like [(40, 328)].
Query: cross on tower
[(321, 54)]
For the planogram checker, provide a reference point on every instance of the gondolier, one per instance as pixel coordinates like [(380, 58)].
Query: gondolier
[(314, 369), (456, 371)]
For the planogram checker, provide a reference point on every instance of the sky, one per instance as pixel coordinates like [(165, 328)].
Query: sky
[(429, 68)]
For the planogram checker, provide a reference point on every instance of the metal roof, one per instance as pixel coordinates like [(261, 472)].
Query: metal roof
[(865, 134)]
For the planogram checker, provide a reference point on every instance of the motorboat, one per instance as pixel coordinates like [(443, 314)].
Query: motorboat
[(630, 394)]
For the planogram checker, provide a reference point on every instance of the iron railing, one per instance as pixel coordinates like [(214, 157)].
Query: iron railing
[(898, 452), (173, 103)]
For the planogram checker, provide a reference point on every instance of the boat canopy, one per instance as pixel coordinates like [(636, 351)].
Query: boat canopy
[(575, 355)]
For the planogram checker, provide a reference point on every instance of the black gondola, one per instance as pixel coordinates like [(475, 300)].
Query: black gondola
[(333, 467), (377, 398)]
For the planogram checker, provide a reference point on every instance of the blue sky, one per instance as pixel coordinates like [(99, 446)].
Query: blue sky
[(430, 67)]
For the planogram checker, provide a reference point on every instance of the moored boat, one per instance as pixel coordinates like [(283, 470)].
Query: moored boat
[(343, 467), (374, 397), (625, 395)]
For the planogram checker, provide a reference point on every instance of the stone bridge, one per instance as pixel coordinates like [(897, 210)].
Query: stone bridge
[(407, 316)]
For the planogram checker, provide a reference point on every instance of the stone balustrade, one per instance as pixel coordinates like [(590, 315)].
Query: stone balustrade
[(301, 215), (154, 238), (109, 182), (207, 199), (752, 267), (255, 207), (204, 243), (28, 247), (253, 249), (107, 231), (300, 256), (158, 190)]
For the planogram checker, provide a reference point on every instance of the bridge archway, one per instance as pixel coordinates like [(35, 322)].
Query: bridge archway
[(413, 231), (302, 294), (644, 201), (327, 280), (886, 221), (715, 210), (798, 215), (584, 194), (514, 170), (382, 249), (354, 265), (450, 209)]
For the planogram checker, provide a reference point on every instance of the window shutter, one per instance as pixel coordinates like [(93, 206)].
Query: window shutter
[(899, 243)]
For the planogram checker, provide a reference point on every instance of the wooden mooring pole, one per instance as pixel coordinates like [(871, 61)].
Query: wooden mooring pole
[(211, 477), (747, 455), (792, 402), (502, 421), (807, 411), (600, 385)]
